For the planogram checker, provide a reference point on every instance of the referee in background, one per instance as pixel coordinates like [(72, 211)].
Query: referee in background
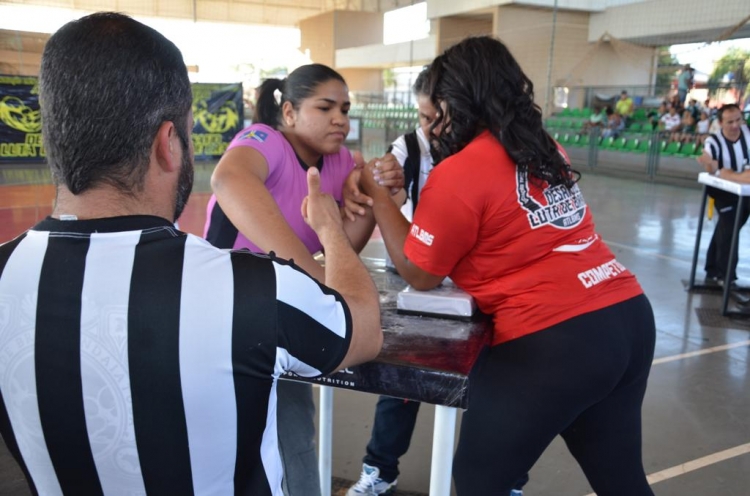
[(134, 358), (726, 154)]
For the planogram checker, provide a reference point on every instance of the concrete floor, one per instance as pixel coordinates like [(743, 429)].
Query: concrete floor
[(697, 408)]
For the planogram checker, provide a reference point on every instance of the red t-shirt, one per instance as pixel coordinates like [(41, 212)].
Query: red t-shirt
[(528, 255)]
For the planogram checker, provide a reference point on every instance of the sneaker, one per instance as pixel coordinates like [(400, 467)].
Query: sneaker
[(712, 281), (370, 483)]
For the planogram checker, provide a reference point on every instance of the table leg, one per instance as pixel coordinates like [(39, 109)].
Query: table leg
[(732, 253), (325, 426), (701, 214), (443, 438)]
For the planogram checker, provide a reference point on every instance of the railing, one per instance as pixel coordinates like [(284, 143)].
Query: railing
[(649, 154), (648, 95)]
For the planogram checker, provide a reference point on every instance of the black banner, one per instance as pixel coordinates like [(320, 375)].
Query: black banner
[(218, 116), (20, 120)]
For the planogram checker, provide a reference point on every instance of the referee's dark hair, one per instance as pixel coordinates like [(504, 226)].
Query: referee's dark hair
[(724, 108), (107, 82), (483, 87)]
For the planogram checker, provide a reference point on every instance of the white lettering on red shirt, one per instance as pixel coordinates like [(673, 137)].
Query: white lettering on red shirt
[(592, 277), (422, 235)]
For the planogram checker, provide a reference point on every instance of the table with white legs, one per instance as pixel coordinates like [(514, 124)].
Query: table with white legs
[(741, 191), (423, 359)]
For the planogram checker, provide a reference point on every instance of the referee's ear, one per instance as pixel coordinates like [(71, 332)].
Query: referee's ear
[(166, 148)]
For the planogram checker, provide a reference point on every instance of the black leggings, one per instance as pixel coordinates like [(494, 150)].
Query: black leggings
[(584, 379)]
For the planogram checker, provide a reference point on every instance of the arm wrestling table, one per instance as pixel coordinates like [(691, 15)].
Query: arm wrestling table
[(423, 359), (742, 191)]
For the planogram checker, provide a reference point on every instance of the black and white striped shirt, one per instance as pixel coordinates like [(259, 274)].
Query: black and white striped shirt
[(731, 155), (138, 359)]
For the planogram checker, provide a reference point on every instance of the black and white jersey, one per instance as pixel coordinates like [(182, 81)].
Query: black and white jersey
[(730, 155), (136, 359)]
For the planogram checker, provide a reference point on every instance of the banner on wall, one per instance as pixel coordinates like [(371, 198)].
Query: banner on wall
[(218, 117), (20, 120)]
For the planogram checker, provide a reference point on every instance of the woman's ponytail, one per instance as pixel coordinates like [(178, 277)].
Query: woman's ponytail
[(267, 109)]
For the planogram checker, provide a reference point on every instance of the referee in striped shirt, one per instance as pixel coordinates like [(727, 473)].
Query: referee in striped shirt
[(726, 154), (134, 358)]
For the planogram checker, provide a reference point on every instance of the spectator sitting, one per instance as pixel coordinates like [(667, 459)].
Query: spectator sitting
[(701, 127), (687, 126), (597, 119), (615, 124), (654, 116), (671, 120), (715, 127), (624, 106), (676, 103), (694, 109)]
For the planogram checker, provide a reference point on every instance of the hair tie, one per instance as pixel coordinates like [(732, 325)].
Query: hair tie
[(277, 96)]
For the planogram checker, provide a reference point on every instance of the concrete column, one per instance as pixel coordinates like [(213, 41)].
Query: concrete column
[(325, 33)]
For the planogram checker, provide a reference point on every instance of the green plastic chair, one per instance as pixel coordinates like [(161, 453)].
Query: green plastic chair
[(672, 148), (643, 146), (583, 140), (630, 145), (635, 127), (618, 144), (687, 150)]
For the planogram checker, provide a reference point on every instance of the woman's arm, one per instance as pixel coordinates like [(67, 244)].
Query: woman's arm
[(390, 175), (239, 185), (394, 228)]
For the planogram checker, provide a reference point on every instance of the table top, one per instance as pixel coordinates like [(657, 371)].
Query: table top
[(425, 359), (724, 184)]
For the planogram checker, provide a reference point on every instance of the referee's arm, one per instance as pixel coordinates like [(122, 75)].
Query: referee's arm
[(738, 177), (345, 273), (708, 162)]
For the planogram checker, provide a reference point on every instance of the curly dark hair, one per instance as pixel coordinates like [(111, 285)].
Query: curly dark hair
[(481, 86)]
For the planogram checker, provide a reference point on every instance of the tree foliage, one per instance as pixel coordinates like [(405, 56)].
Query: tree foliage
[(735, 62), (667, 65)]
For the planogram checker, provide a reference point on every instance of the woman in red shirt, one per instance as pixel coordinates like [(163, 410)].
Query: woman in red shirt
[(502, 215)]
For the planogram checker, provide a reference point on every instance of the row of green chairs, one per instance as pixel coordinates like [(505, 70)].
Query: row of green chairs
[(639, 114), (576, 112), (677, 149), (557, 123), (381, 106), (631, 145)]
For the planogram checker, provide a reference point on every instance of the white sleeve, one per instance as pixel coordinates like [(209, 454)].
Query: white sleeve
[(399, 150)]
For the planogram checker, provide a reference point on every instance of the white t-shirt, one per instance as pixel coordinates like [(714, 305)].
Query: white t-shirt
[(670, 121), (701, 127)]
